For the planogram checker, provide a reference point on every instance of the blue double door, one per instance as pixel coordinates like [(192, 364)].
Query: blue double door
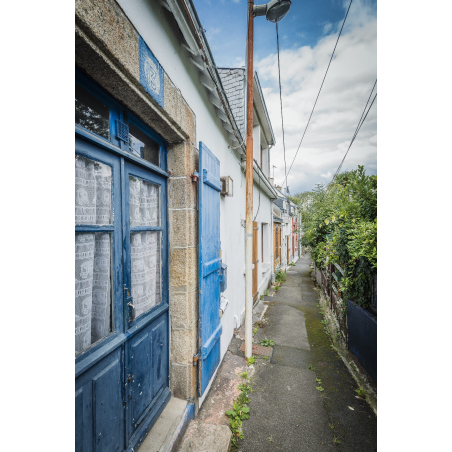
[(122, 324)]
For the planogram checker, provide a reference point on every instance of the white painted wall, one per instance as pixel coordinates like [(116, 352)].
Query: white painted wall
[(266, 162), (257, 144), (149, 18), (263, 213)]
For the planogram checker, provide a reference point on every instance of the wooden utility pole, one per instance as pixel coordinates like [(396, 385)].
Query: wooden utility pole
[(249, 186)]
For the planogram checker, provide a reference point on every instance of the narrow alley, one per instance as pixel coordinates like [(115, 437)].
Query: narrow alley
[(289, 411)]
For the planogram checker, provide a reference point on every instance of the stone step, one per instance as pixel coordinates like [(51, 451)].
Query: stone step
[(203, 437), (169, 428)]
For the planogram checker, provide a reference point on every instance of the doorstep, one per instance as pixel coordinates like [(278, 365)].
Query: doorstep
[(169, 428)]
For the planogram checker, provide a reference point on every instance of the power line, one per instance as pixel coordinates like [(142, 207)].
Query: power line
[(315, 103), (354, 136), (280, 100), (357, 128)]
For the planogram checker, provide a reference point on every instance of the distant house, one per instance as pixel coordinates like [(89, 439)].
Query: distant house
[(277, 237), (159, 215), (289, 239)]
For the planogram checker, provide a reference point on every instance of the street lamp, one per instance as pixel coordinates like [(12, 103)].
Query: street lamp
[(275, 10)]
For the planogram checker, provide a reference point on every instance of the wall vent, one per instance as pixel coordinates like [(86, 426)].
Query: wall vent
[(122, 131)]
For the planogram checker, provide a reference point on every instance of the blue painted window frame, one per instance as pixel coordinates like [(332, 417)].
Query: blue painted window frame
[(118, 111), (114, 153), (134, 170), (86, 149)]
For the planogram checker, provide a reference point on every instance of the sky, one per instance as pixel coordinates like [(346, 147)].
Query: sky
[(307, 36)]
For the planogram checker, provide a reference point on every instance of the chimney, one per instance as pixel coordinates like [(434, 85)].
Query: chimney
[(272, 181), (278, 187)]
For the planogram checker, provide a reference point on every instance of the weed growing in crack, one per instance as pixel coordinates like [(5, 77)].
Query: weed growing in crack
[(251, 360), (270, 439), (240, 411), (319, 387), (360, 392), (311, 368), (336, 441), (267, 342), (281, 277)]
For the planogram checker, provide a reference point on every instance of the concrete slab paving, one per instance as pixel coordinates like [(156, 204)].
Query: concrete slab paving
[(287, 412), (276, 411), (292, 357), (285, 325)]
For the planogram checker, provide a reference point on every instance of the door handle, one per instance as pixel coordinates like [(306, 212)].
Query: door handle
[(131, 311)]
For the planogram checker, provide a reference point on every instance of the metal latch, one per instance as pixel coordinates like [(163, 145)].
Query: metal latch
[(195, 359), (129, 302), (195, 176)]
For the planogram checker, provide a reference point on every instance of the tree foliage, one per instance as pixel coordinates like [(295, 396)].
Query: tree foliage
[(340, 226)]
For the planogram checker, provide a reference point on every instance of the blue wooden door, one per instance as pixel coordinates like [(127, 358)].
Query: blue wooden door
[(209, 266), (99, 369), (146, 298)]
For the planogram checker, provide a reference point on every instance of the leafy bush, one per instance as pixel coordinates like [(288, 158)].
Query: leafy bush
[(340, 226)]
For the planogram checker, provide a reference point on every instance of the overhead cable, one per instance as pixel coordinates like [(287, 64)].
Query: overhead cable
[(353, 139), (315, 103)]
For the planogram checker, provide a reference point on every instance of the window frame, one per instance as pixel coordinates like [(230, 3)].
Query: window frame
[(89, 151), (118, 111), (127, 229)]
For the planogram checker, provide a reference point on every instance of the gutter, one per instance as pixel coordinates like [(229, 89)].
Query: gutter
[(207, 58), (264, 182)]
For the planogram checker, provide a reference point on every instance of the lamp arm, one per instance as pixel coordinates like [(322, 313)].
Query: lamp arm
[(259, 10)]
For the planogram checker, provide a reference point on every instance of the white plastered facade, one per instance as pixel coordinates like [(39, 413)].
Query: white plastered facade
[(153, 23)]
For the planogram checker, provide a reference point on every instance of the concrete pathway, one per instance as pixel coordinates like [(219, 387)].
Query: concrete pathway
[(288, 413)]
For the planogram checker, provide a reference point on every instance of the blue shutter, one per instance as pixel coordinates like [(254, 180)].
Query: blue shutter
[(209, 266)]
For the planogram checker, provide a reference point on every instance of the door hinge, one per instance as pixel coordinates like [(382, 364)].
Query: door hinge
[(195, 359)]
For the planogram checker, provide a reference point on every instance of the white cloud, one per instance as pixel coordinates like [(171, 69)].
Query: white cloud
[(327, 175), (344, 94), (327, 27)]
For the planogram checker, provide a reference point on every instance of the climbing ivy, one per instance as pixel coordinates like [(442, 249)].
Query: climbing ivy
[(340, 226)]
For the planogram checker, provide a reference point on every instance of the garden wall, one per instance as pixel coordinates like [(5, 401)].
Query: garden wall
[(362, 337)]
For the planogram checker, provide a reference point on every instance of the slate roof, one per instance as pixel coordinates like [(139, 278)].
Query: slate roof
[(233, 81)]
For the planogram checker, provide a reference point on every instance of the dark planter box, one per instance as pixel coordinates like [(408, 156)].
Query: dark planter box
[(362, 337)]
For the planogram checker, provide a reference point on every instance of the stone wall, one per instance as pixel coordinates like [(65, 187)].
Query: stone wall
[(107, 49)]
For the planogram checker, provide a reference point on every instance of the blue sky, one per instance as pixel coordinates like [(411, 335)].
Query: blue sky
[(307, 37)]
